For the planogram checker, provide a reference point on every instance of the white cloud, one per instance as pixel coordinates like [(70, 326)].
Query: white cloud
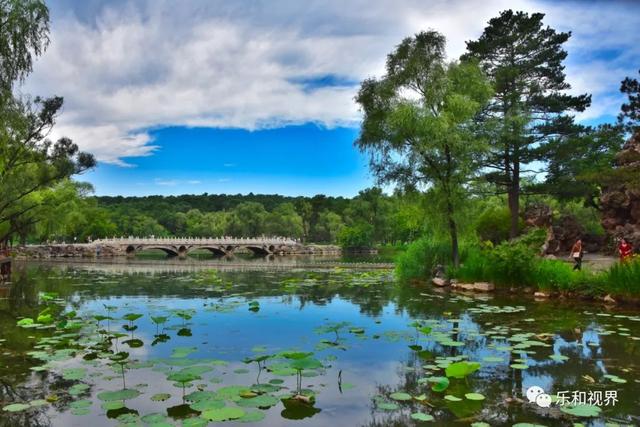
[(127, 67), (174, 182)]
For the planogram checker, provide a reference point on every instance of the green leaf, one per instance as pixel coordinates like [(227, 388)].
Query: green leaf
[(582, 410), (123, 394), (307, 363), (16, 407), (474, 396), (222, 414), (132, 317), (262, 401), (25, 322), (441, 385), (387, 406), (160, 397), (400, 396), (461, 369), (421, 416)]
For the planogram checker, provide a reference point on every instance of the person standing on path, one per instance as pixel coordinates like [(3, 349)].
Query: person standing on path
[(576, 254), (625, 250)]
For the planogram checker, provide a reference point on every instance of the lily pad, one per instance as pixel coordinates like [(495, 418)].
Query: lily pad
[(160, 397), (582, 410), (474, 396), (16, 407), (400, 396), (123, 394), (421, 416), (223, 414)]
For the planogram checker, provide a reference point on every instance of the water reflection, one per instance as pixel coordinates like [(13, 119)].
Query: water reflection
[(358, 323)]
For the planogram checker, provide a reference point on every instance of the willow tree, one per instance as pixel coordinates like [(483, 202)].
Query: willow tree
[(29, 162), (418, 122)]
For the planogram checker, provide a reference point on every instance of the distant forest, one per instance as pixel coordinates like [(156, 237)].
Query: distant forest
[(372, 217)]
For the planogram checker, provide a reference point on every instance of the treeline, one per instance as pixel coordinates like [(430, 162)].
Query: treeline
[(371, 217)]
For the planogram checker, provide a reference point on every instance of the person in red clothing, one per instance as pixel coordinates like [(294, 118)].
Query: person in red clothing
[(625, 250)]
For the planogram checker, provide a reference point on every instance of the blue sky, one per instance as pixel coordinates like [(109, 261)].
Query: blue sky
[(292, 160), (256, 96)]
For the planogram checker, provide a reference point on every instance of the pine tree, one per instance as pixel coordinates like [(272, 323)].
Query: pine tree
[(530, 107)]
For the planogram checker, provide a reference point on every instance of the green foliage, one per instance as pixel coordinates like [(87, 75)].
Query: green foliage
[(284, 221), (554, 275), (624, 278), (328, 226), (418, 124), (512, 264), (30, 164), (423, 255), (359, 235), (518, 53), (493, 224), (461, 369), (24, 33), (630, 111)]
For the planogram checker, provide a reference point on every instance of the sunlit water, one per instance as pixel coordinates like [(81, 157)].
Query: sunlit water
[(359, 324)]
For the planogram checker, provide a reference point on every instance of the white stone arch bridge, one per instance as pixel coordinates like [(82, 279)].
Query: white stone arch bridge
[(181, 246)]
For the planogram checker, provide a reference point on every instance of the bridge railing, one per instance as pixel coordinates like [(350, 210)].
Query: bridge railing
[(197, 241)]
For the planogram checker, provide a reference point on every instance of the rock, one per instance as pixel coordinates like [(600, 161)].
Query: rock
[(538, 215), (439, 281), (540, 294), (620, 201), (608, 299), (484, 287)]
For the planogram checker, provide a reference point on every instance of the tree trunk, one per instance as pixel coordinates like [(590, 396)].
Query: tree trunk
[(514, 201), (453, 233)]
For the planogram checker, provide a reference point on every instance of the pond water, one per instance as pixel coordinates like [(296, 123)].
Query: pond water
[(147, 343)]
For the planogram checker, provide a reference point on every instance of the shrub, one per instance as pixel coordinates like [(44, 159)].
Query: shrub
[(494, 224), (624, 278), (475, 268), (512, 263), (359, 235), (423, 255), (554, 275)]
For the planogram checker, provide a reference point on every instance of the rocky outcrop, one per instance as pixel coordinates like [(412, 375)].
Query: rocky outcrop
[(620, 202), (538, 215), (562, 232)]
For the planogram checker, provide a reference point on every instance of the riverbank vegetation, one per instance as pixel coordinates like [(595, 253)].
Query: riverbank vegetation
[(468, 146), (517, 143)]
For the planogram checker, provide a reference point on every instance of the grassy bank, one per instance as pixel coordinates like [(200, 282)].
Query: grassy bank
[(516, 264)]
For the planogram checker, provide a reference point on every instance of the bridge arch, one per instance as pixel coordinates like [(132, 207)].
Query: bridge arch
[(170, 251), (258, 250), (215, 250)]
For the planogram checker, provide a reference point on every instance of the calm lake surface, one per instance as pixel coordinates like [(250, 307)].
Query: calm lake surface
[(239, 340)]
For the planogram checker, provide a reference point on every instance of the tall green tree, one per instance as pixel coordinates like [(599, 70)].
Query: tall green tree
[(530, 106), (328, 226), (24, 33), (629, 115), (247, 220), (285, 221), (575, 164), (417, 123), (305, 210), (29, 162)]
